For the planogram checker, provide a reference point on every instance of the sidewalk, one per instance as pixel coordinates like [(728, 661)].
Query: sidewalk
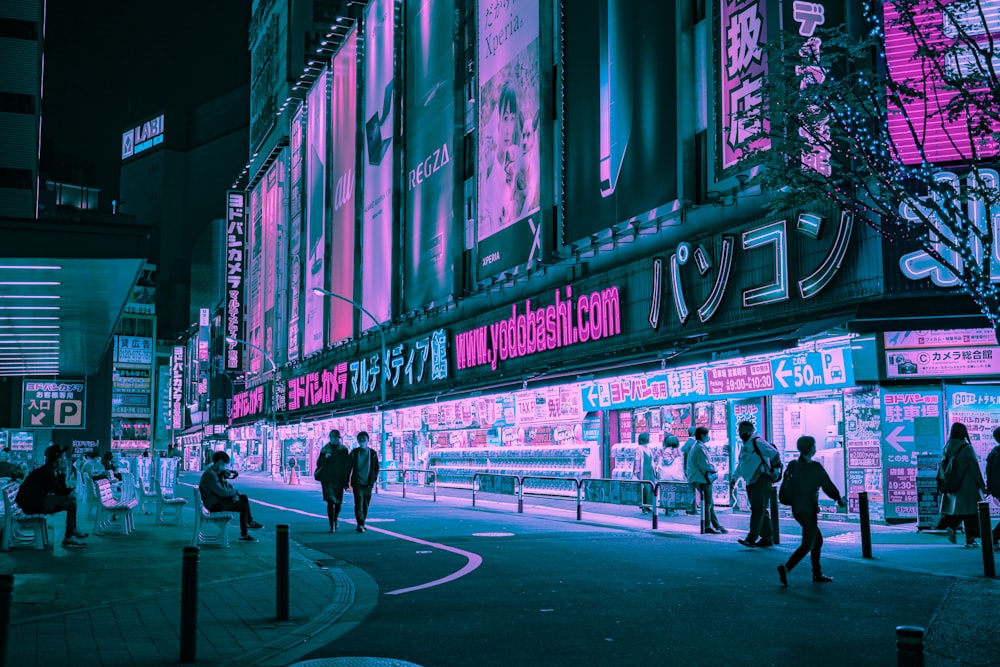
[(76, 607)]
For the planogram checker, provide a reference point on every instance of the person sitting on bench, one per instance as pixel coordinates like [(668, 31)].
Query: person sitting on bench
[(218, 494)]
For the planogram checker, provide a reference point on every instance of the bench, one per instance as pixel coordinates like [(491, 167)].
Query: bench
[(113, 516), (218, 520), (20, 529), (166, 501)]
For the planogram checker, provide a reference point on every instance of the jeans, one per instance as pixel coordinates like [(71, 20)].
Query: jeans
[(812, 542), (759, 495), (362, 498), (230, 505), (53, 504), (706, 492)]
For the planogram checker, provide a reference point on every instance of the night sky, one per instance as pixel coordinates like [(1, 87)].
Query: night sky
[(111, 63)]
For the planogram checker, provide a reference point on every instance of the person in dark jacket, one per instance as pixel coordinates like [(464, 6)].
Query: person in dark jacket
[(993, 482), (363, 476), (962, 506), (218, 495), (44, 492), (807, 478), (333, 469)]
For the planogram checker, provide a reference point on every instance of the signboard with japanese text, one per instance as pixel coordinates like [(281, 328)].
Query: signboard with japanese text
[(943, 362), (740, 36), (133, 350), (58, 403), (863, 441), (548, 404), (177, 388), (937, 338), (978, 407), (912, 421), (236, 211), (249, 404), (22, 441), (295, 203)]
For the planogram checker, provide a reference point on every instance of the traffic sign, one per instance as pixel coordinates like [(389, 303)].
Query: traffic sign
[(53, 403)]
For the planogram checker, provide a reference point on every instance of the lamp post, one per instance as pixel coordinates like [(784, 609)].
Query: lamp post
[(382, 361), (274, 386)]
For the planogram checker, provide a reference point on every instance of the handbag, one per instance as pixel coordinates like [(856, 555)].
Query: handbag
[(785, 490), (773, 472)]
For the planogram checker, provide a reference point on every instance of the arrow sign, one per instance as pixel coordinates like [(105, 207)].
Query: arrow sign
[(896, 437), (780, 374), (38, 419)]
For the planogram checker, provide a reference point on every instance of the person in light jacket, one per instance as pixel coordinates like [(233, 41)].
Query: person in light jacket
[(806, 478), (962, 506), (701, 473), (755, 453), (363, 476)]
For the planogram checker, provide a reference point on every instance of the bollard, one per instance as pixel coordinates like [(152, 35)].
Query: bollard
[(986, 537), (909, 646), (6, 598), (189, 605), (866, 525), (704, 509), (655, 502), (775, 526), (281, 565)]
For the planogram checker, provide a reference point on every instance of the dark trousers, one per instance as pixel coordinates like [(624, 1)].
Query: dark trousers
[(362, 498), (759, 495), (705, 490), (812, 542), (971, 522), (242, 506), (333, 494), (53, 504)]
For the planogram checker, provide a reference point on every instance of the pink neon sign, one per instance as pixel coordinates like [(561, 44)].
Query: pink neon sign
[(248, 403), (568, 321), (943, 140)]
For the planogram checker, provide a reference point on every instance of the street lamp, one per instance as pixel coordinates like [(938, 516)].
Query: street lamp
[(382, 361), (232, 340)]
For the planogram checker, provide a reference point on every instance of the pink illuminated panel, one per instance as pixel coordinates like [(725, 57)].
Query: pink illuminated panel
[(743, 30), (942, 140), (343, 122)]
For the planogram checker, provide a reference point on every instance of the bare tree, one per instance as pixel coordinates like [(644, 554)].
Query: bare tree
[(898, 124)]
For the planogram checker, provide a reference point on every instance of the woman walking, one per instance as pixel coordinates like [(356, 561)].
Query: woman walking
[(961, 505)]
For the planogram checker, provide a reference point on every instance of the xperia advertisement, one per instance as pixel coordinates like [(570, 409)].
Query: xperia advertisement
[(315, 178), (509, 229), (379, 116), (429, 264), (343, 121), (620, 113)]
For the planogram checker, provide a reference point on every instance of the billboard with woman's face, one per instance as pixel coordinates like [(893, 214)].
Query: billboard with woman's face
[(509, 230), (315, 179)]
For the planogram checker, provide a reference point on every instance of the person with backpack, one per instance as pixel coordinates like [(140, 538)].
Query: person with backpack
[(760, 465), (993, 482), (800, 489), (961, 483)]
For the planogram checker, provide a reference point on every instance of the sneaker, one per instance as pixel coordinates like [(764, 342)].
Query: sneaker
[(360, 529), (822, 579), (80, 535), (747, 543), (951, 535), (72, 543), (711, 531), (692, 512), (248, 538), (972, 545), (722, 529), (783, 575), (255, 525), (764, 543)]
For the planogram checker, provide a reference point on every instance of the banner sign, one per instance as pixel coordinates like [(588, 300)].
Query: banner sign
[(933, 338), (741, 28), (55, 403), (943, 362), (235, 242), (177, 388), (248, 403), (911, 422), (133, 350)]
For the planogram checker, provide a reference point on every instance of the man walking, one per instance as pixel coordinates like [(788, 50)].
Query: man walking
[(333, 468), (757, 458), (363, 476), (218, 495)]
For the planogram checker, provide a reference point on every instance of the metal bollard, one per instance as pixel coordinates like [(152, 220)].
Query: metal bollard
[(986, 537), (6, 599), (704, 509), (909, 646), (189, 605), (866, 525), (775, 527), (281, 567)]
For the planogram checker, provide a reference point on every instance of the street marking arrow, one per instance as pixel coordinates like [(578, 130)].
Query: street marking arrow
[(895, 438), (780, 373)]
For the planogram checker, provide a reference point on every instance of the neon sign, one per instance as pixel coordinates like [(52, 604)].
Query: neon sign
[(142, 137), (744, 65), (568, 321), (248, 403), (235, 239)]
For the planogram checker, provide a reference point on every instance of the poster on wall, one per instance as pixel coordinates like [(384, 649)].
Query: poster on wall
[(509, 231), (274, 224), (620, 113), (429, 261), (255, 277), (863, 440), (343, 125), (295, 205), (912, 421), (314, 269), (978, 407), (377, 263)]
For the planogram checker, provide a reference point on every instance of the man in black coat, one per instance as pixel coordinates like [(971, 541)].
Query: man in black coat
[(44, 491), (333, 468)]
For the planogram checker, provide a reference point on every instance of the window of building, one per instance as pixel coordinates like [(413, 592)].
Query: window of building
[(18, 29), (17, 103)]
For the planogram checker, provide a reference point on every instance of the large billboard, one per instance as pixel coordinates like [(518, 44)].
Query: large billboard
[(236, 214), (273, 263), (269, 36), (379, 120), (429, 262), (256, 276), (620, 113), (316, 130), (343, 120), (509, 231), (295, 204)]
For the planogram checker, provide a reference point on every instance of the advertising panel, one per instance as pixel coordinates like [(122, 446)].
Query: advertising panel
[(133, 350), (940, 135), (862, 437), (235, 271), (269, 51), (55, 403), (978, 407), (316, 130), (941, 353), (255, 276), (344, 120), (620, 113), (509, 231), (177, 388), (741, 33), (295, 203), (273, 226), (379, 119), (911, 422), (429, 262)]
